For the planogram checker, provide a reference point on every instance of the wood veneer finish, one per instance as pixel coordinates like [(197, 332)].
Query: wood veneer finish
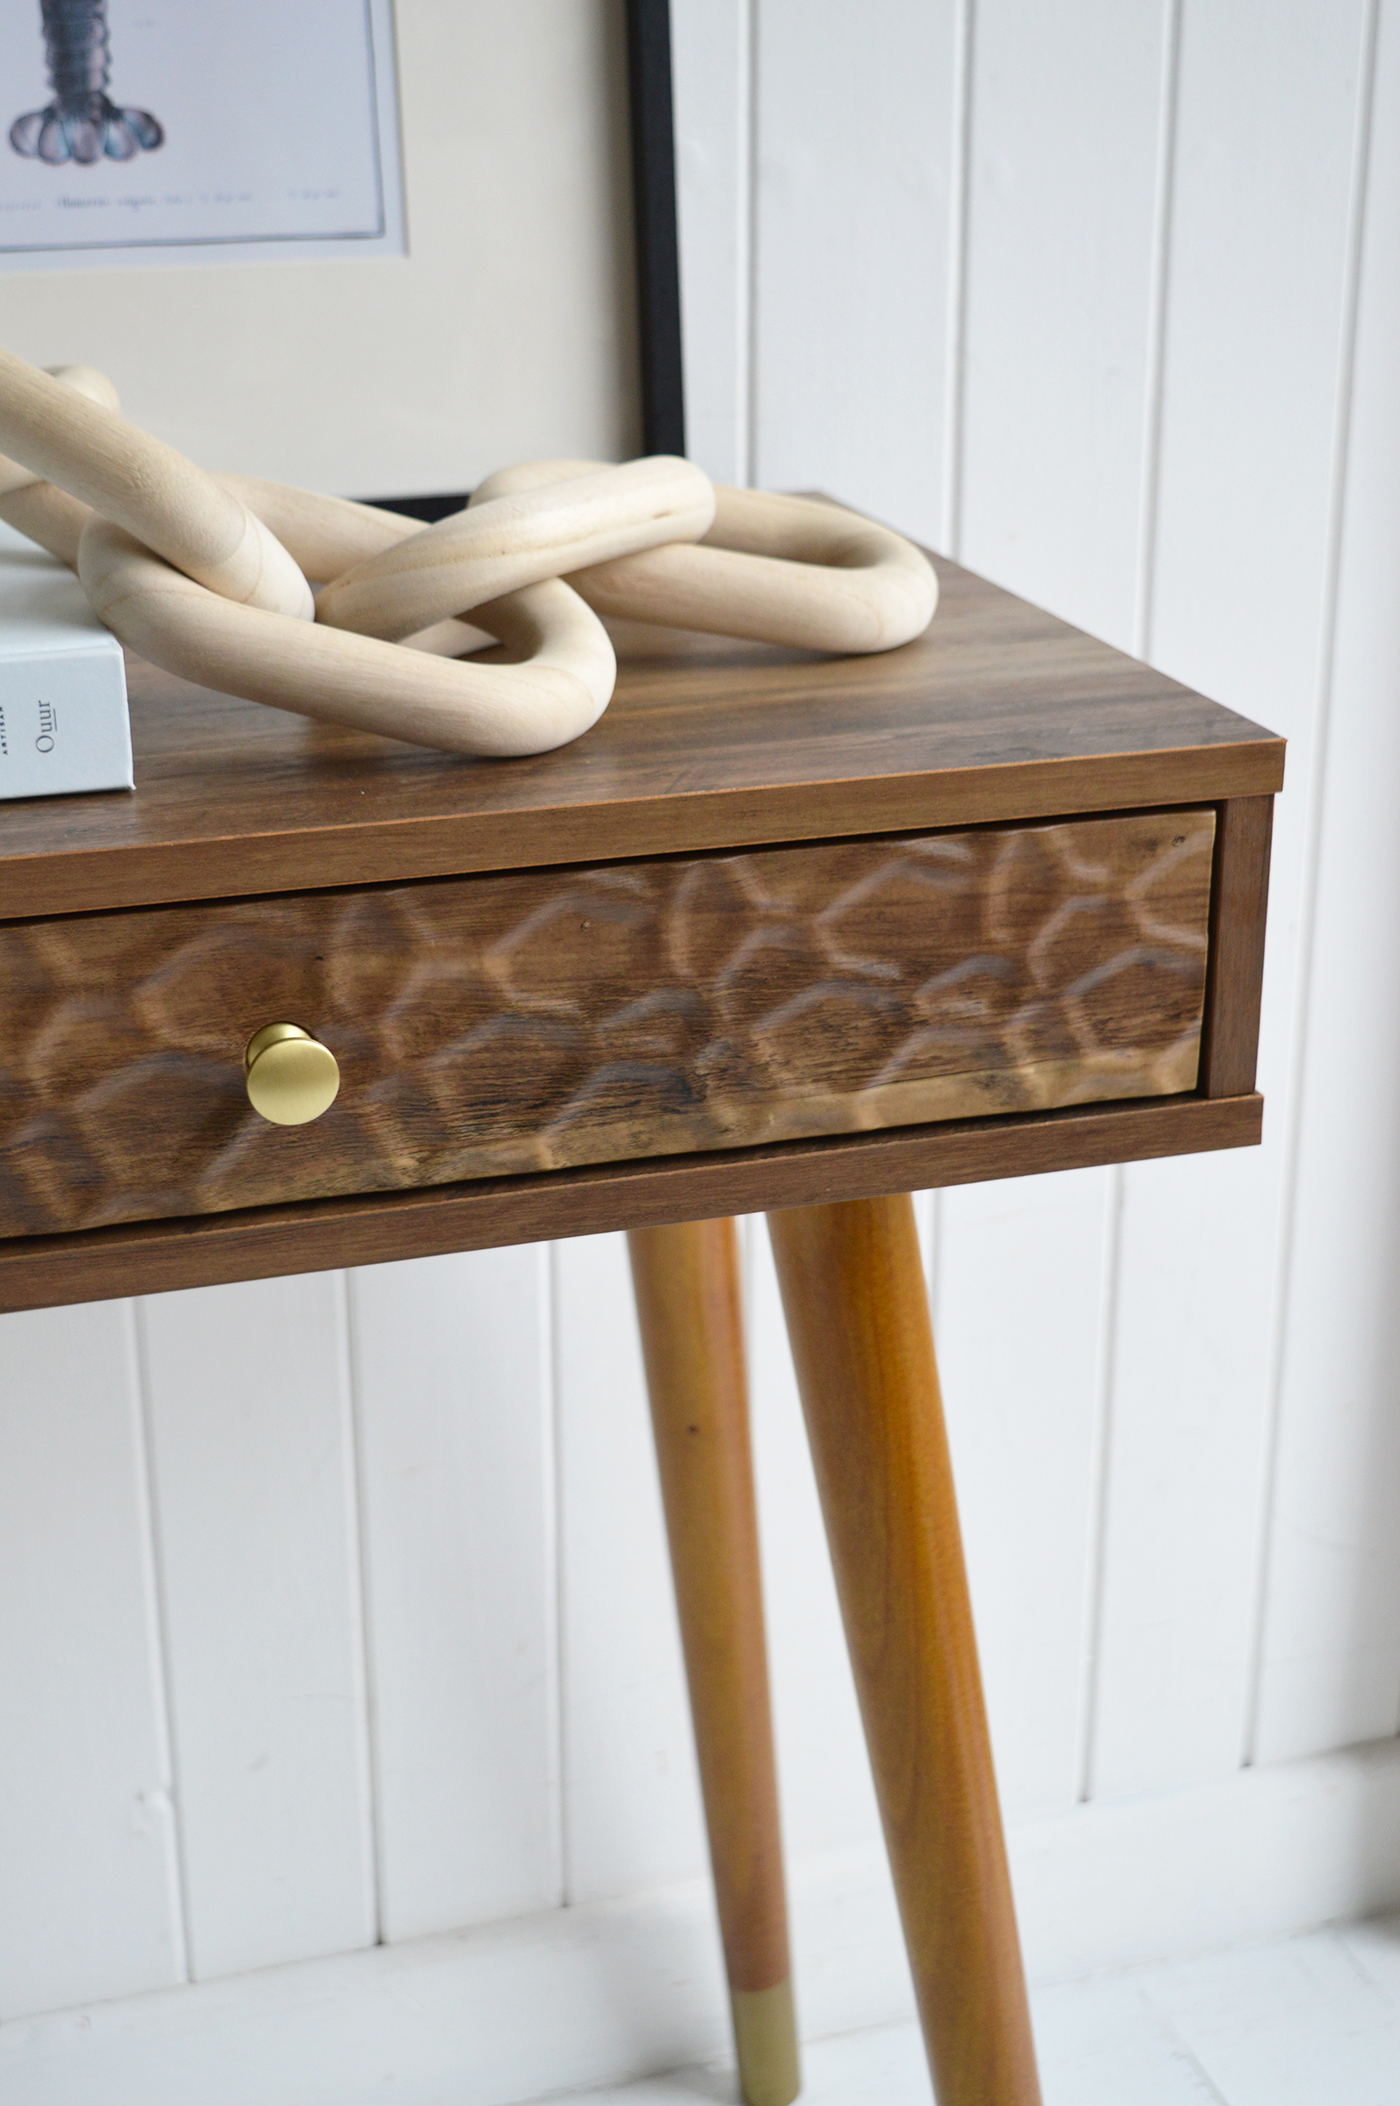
[(857, 1313), (1239, 904), (690, 1316), (151, 1256), (540, 1020), (999, 712)]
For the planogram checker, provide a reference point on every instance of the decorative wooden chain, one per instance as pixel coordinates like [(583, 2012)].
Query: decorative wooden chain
[(207, 575)]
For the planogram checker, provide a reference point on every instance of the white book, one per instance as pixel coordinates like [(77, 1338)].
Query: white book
[(63, 717)]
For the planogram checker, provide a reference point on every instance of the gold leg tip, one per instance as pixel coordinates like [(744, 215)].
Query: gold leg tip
[(765, 2038)]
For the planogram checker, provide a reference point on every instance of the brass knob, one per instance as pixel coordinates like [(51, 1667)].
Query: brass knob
[(292, 1077)]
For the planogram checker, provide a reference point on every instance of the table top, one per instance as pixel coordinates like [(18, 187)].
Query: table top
[(999, 712)]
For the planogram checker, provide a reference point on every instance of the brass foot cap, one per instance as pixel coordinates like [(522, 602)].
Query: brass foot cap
[(765, 2038)]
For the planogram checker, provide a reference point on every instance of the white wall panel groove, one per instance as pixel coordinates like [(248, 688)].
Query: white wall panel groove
[(1018, 1317), (714, 120), (451, 1369), (1331, 1607), (1255, 330), (1061, 220), (854, 132), (257, 1542), (89, 1877), (1062, 286), (957, 230), (1169, 80)]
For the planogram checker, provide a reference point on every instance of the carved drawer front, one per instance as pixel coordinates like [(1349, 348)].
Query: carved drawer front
[(526, 1021)]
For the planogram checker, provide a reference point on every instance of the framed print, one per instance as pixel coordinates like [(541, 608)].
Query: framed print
[(480, 307), (656, 223), (149, 131)]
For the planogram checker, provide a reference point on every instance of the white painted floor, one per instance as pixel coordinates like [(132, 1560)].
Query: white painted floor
[(1312, 2021)]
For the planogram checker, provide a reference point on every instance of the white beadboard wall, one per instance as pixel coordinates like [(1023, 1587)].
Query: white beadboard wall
[(334, 1612)]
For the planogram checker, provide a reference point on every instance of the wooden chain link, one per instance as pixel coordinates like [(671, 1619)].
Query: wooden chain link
[(207, 575)]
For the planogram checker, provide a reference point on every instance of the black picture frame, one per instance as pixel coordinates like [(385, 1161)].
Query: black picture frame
[(656, 239), (656, 224)]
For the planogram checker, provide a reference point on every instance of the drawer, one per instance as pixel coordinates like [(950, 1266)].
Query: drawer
[(539, 1019)]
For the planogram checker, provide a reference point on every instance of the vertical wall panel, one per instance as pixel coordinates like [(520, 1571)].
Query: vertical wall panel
[(710, 41), (1061, 216), (1064, 158), (631, 1793), (1332, 1629), (1018, 1320), (854, 128), (453, 1401), (89, 1901), (255, 1524), (1254, 330), (1185, 1471)]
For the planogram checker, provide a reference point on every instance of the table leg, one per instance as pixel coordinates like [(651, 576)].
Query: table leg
[(688, 1306), (857, 1315)]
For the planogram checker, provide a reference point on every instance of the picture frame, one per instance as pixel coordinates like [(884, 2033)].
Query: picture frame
[(534, 315), (656, 224), (294, 153), (656, 246)]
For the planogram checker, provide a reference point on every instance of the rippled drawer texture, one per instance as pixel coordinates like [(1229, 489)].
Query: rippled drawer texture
[(536, 1019)]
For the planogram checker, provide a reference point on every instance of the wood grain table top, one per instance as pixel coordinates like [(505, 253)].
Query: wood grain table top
[(726, 752), (999, 712)]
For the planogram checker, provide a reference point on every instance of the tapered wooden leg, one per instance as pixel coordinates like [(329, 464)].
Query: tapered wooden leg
[(857, 1315), (688, 1307)]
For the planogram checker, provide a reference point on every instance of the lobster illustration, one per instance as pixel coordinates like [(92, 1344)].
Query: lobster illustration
[(81, 124)]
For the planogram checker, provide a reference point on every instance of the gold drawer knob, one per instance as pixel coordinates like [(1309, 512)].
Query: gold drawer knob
[(292, 1077)]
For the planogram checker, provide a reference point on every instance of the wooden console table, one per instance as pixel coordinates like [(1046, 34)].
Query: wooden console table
[(782, 933)]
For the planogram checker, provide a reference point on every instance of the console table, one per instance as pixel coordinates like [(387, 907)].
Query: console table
[(782, 933)]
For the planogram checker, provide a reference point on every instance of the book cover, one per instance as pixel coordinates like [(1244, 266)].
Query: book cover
[(64, 725)]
